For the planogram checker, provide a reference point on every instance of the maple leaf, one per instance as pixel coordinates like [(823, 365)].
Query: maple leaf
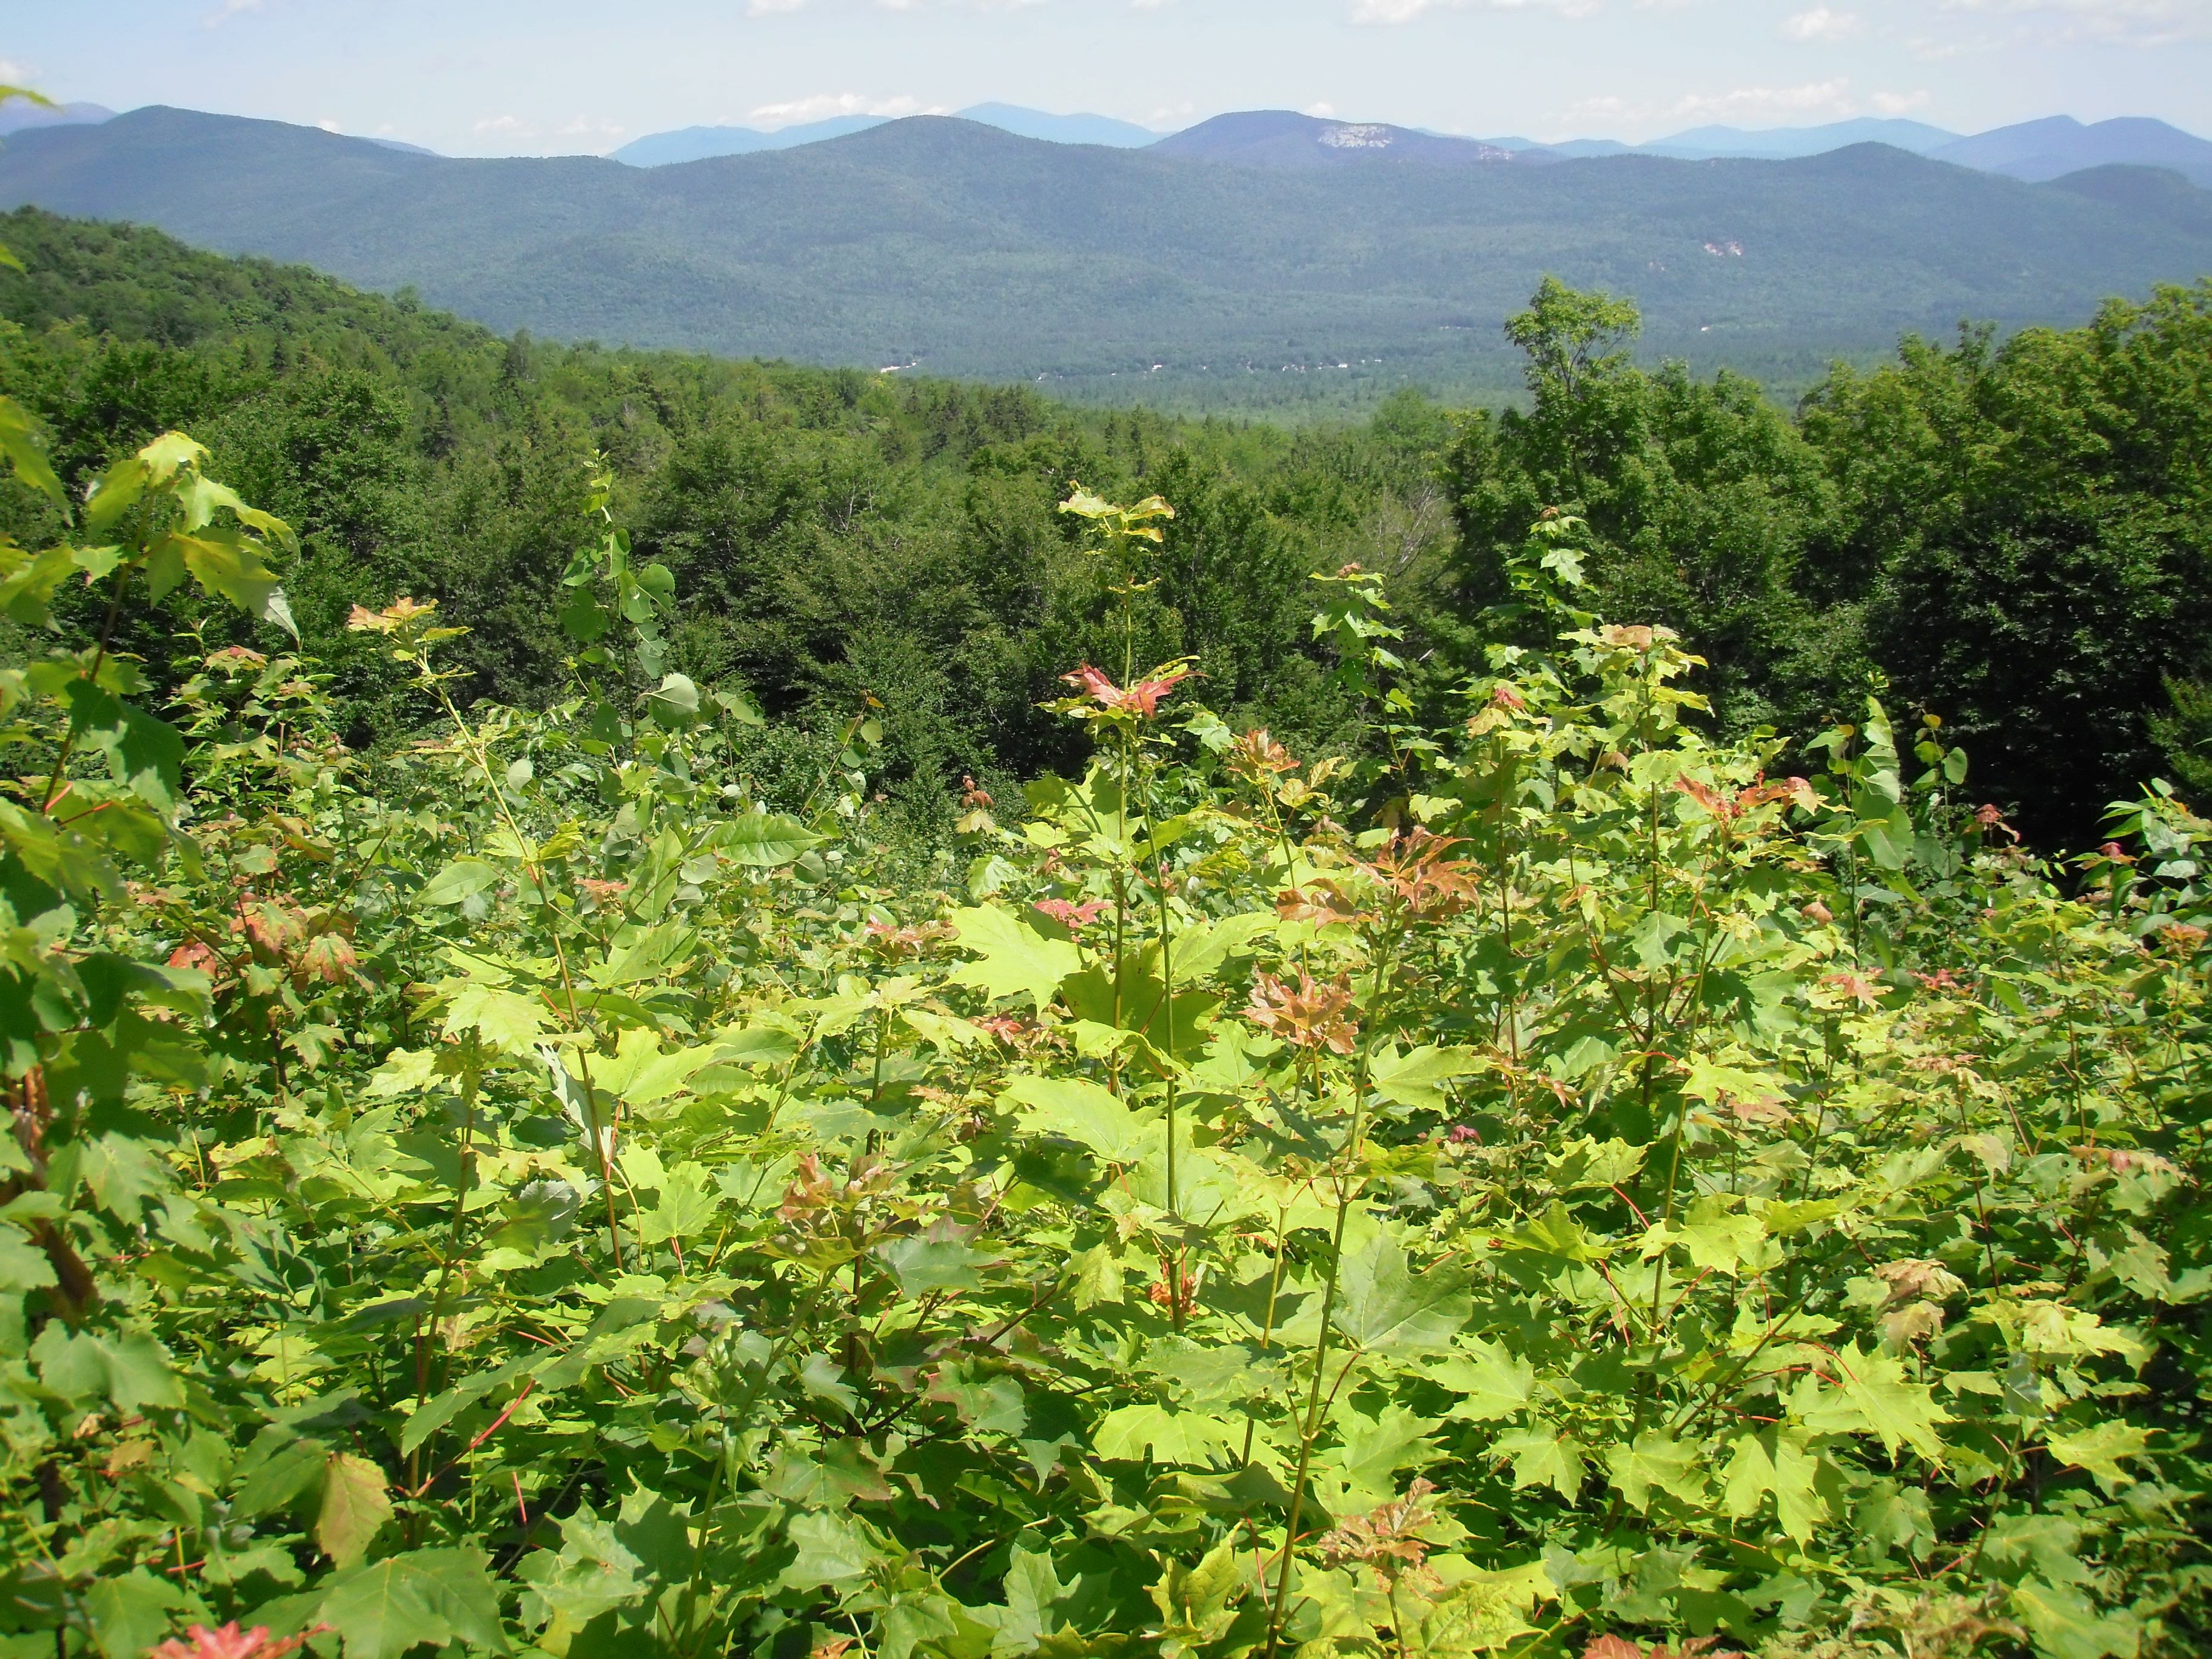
[(1311, 1017), (1069, 914), (1256, 754), (1141, 699), (1872, 1396), (1431, 886), (229, 1641), (1384, 1538), (394, 617)]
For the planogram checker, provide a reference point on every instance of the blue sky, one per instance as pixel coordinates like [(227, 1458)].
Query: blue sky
[(533, 76)]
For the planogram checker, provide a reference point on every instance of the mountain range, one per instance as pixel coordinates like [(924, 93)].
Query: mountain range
[(2035, 150), (1108, 272)]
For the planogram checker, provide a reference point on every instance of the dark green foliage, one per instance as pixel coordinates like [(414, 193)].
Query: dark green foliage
[(2027, 527), (839, 535), (2014, 534)]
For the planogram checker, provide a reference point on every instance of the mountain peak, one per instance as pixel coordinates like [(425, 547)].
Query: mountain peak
[(1281, 137)]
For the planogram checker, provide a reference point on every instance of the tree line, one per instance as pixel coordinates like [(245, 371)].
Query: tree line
[(2008, 535)]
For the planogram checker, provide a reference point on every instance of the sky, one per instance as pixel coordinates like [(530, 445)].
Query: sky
[(493, 77)]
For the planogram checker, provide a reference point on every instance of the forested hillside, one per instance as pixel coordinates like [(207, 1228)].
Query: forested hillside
[(1126, 276), (2015, 536), (588, 1075)]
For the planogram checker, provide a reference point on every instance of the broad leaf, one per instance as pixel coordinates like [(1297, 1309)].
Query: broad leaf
[(1015, 960), (355, 1506), (1082, 1112), (1384, 1305)]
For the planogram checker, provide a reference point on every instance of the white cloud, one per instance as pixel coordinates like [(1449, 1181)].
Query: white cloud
[(1326, 111), (771, 8), (1822, 24), (508, 126), (229, 9), (328, 126), (824, 106), (2117, 22), (1900, 103)]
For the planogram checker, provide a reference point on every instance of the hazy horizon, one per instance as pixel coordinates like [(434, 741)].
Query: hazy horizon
[(491, 77)]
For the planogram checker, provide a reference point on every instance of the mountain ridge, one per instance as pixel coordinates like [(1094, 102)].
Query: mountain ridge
[(976, 253), (2039, 151)]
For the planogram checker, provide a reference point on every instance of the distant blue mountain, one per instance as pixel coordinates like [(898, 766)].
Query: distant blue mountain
[(21, 115), (1787, 143), (2041, 150), (1765, 143), (662, 149), (1062, 129)]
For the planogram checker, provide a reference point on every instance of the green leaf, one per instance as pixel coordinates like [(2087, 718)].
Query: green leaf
[(23, 1267), (834, 1475), (1384, 1306), (1135, 1433), (28, 581), (161, 459), (130, 1611), (355, 1506), (1490, 1381), (594, 1573), (1556, 1232), (147, 755), (1657, 1459), (1015, 959), (675, 702), (202, 498), (2064, 1625), (1583, 1162), (765, 840), (227, 565), (1484, 1612), (127, 1367), (1097, 1276), (1191, 1600), (927, 1265), (1419, 1078), (461, 879), (2099, 1448), (1777, 1463), (19, 443), (831, 1549), (642, 954), (686, 1209), (506, 1020), (428, 1597), (1872, 1396), (435, 1414), (1205, 949), (1082, 1112), (1543, 1456)]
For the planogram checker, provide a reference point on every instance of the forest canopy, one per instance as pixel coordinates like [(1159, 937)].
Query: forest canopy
[(2014, 535)]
